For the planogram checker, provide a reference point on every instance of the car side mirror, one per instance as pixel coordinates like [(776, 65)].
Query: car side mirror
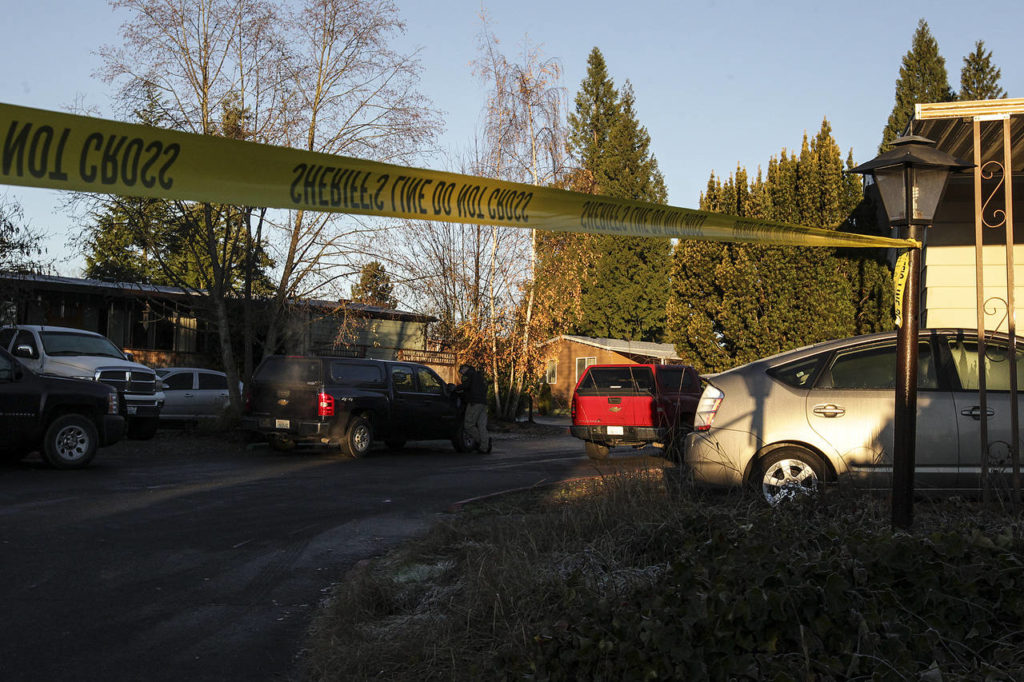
[(24, 351), (164, 386), (129, 355)]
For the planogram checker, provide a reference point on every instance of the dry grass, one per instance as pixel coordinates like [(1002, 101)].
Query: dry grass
[(479, 595)]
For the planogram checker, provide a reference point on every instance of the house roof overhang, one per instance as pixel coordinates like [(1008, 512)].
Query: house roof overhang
[(951, 126)]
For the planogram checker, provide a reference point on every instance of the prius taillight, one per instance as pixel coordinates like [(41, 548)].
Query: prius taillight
[(325, 405), (707, 408)]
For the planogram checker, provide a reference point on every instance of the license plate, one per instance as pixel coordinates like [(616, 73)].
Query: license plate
[(281, 424), (132, 409), (614, 431)]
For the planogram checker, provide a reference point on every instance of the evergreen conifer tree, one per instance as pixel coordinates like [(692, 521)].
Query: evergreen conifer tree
[(591, 122), (922, 79), (979, 77), (733, 303), (374, 286), (625, 289)]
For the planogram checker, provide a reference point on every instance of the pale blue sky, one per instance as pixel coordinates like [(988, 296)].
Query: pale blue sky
[(717, 82)]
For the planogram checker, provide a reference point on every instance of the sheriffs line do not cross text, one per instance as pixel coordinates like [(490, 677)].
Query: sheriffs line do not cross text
[(41, 152), (603, 216), (330, 187)]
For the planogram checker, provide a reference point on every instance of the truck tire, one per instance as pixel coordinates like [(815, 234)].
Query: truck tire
[(70, 442), (358, 437), (142, 428)]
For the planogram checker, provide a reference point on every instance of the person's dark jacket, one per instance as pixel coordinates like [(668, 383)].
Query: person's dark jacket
[(474, 387)]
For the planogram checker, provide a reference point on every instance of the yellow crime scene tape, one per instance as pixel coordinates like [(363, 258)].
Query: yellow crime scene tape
[(84, 154)]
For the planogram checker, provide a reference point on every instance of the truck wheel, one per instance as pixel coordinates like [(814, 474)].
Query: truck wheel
[(142, 429), (596, 450), (70, 442), (358, 438)]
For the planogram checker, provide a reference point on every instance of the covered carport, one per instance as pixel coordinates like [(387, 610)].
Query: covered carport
[(970, 275)]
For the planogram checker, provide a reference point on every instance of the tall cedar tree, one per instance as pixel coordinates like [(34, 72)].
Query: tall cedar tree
[(979, 77), (922, 79), (733, 303), (625, 290), (374, 287)]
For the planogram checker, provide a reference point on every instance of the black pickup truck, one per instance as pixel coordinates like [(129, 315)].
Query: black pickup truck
[(65, 419), (351, 402)]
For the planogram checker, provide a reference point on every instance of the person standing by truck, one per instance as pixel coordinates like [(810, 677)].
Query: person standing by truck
[(474, 393)]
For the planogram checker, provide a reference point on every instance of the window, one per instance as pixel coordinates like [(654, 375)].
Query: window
[(212, 382), (5, 338), (582, 364), (69, 343), (361, 374), (997, 364), (179, 381), (617, 381), (402, 379), (429, 382), (797, 374), (875, 368), (282, 370), (676, 379), (551, 374)]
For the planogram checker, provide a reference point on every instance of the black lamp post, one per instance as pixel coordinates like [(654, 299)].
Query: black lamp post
[(911, 178)]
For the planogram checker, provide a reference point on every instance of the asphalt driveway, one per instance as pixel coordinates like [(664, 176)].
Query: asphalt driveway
[(197, 557)]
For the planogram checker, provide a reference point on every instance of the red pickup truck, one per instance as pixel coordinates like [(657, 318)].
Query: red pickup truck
[(634, 405)]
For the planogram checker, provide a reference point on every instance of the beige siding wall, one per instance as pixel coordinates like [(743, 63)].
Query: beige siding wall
[(950, 291)]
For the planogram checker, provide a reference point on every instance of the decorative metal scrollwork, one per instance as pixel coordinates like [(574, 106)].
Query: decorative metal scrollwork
[(988, 171), (992, 309)]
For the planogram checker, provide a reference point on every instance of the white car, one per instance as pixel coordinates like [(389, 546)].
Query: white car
[(193, 393), (825, 412)]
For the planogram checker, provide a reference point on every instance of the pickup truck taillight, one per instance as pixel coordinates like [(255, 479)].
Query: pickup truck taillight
[(325, 405)]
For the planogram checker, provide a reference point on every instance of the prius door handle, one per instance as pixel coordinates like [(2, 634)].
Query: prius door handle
[(975, 412), (829, 410)]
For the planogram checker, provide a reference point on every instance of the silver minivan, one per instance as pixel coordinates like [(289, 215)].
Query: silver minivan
[(825, 412)]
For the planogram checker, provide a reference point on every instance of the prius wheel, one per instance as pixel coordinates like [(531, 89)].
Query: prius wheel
[(789, 473)]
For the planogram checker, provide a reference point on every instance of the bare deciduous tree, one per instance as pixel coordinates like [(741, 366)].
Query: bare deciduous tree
[(320, 76), (480, 280), (356, 96), (205, 61), (525, 143)]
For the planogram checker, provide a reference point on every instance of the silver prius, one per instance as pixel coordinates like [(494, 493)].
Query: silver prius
[(821, 413)]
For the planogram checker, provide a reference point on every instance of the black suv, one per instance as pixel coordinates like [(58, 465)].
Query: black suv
[(350, 402), (65, 419)]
